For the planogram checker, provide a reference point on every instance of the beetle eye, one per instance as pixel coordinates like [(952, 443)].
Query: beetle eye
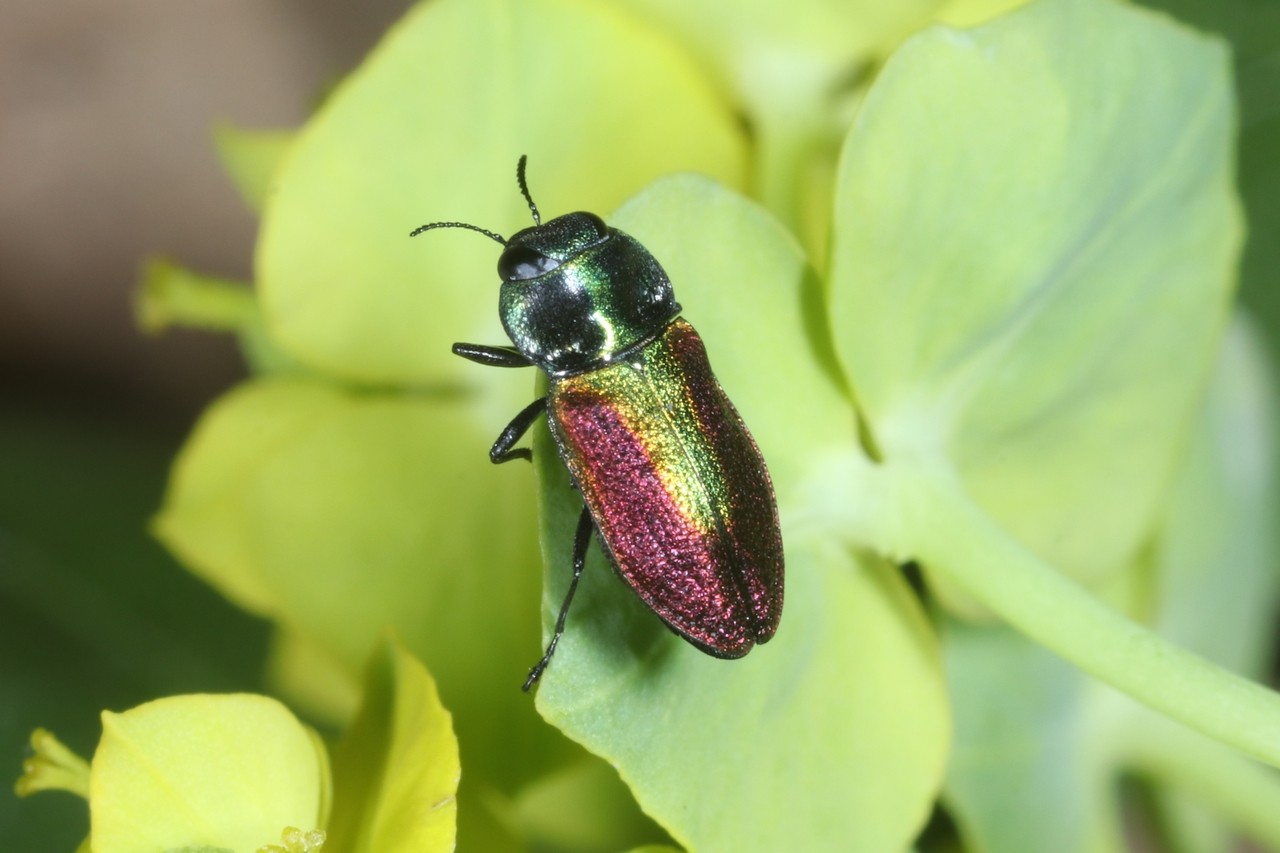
[(521, 262)]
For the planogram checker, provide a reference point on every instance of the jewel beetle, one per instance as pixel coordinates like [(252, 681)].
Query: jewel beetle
[(669, 475)]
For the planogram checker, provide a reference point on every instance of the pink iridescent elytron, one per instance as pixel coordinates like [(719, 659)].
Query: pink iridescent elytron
[(677, 489)]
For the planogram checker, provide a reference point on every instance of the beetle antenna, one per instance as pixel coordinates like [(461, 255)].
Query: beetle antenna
[(485, 231), (524, 188)]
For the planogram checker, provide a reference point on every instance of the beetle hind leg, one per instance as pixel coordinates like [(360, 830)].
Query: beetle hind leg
[(581, 540)]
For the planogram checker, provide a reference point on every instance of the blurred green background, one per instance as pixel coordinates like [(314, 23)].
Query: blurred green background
[(105, 158)]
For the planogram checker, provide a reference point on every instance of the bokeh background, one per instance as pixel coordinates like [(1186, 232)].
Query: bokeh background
[(106, 159)]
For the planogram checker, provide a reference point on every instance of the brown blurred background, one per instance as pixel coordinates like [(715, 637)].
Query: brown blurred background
[(106, 158)]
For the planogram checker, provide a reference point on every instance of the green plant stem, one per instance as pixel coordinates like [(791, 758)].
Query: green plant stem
[(793, 134), (1241, 791), (927, 516), (785, 146), (950, 534), (171, 295)]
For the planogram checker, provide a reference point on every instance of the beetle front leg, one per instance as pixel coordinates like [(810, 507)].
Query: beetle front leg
[(581, 540), (501, 450), (492, 356)]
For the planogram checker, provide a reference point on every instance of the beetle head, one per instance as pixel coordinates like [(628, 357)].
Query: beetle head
[(577, 294)]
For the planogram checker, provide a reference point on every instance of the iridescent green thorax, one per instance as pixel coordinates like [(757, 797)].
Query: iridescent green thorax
[(583, 307)]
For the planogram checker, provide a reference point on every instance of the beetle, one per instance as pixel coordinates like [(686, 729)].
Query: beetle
[(668, 473)]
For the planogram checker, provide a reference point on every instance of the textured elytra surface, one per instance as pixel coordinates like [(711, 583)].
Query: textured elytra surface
[(677, 489)]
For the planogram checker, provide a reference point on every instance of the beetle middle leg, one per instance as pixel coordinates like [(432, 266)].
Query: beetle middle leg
[(501, 450), (581, 541)]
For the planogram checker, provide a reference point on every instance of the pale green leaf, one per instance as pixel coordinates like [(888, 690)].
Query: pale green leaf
[(751, 42), (1034, 367), (1025, 773), (812, 740), (795, 69), (967, 13), (1216, 550), (1034, 255), (581, 808)]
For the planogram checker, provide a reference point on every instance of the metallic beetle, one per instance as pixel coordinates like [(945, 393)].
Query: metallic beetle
[(668, 473)]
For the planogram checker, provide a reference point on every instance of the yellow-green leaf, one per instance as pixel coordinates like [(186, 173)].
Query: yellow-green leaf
[(252, 158), (396, 767), (349, 512), (223, 771), (203, 516)]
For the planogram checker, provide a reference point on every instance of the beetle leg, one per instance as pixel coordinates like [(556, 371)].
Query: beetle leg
[(492, 356), (581, 540), (501, 450)]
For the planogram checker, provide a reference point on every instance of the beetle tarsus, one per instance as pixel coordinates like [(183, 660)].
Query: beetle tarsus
[(581, 540)]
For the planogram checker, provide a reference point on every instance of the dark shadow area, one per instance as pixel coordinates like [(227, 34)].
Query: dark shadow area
[(94, 614)]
